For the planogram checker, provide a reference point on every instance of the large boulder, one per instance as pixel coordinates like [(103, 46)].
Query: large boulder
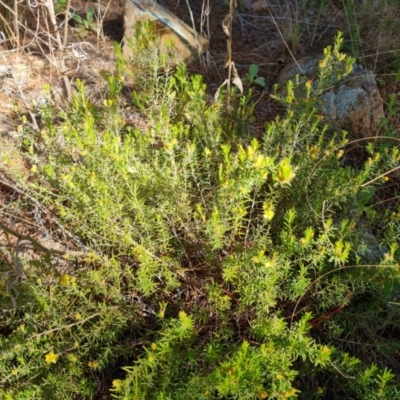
[(175, 38), (354, 104)]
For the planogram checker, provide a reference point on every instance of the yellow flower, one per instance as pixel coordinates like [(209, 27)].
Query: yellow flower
[(14, 371), (116, 383), (92, 178), (182, 315), (64, 280), (326, 350), (285, 172), (313, 152), (170, 145), (93, 364), (51, 358), (72, 358), (269, 211), (153, 346), (290, 393), (78, 316), (151, 359), (340, 153)]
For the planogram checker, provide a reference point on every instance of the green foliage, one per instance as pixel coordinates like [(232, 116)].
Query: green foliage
[(215, 260), (86, 23), (253, 78), (58, 336)]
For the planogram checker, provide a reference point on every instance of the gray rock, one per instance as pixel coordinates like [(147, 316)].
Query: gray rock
[(354, 104), (187, 44), (5, 71)]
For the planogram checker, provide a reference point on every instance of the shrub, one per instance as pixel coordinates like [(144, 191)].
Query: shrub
[(217, 265)]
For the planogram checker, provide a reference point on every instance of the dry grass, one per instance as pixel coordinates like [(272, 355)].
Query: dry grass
[(371, 27), (38, 48)]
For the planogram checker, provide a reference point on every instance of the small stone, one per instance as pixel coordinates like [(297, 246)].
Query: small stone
[(5, 71)]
